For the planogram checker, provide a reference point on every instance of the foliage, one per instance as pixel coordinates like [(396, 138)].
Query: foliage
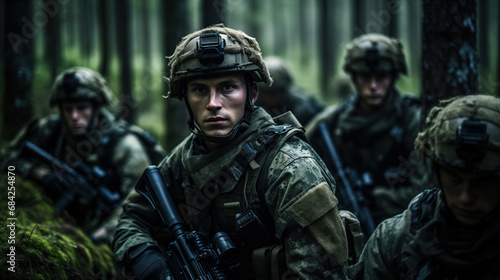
[(48, 246)]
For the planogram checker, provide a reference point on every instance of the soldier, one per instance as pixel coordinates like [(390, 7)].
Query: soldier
[(84, 133), (374, 130), (214, 71), (283, 96), (451, 231)]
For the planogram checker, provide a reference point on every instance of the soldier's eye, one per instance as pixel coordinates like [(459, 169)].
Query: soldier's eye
[(227, 87), (200, 90)]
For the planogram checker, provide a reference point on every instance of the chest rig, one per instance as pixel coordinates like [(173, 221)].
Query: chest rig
[(255, 156)]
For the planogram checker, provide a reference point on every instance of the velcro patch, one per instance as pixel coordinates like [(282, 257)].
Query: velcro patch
[(313, 205)]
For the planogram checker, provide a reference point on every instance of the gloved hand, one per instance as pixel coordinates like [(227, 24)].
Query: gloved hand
[(147, 262)]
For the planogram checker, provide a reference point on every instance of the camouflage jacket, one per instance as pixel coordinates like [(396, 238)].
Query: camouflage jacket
[(380, 144), (124, 157), (300, 200), (424, 242)]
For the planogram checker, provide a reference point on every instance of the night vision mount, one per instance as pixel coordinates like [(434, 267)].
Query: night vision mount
[(210, 49), (70, 83), (372, 56), (471, 140)]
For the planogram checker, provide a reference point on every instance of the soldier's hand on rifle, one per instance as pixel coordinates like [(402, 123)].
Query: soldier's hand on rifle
[(147, 262), (37, 173)]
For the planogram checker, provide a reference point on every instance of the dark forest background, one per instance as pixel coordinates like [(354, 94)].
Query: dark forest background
[(451, 48)]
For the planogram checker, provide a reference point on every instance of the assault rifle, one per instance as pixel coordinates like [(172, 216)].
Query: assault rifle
[(350, 189), (82, 181), (188, 256)]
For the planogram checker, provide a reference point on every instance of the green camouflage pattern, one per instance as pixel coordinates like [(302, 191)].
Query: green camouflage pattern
[(399, 248), (129, 157), (90, 86), (368, 143), (241, 53), (389, 51), (313, 236), (438, 140)]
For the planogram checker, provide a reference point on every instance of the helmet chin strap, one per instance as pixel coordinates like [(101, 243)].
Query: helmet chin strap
[(242, 125)]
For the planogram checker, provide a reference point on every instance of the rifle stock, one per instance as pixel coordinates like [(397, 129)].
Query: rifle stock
[(188, 256), (352, 198)]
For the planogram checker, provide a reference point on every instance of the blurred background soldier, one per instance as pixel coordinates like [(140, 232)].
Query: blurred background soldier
[(284, 96), (107, 157), (237, 163), (374, 129), (449, 232)]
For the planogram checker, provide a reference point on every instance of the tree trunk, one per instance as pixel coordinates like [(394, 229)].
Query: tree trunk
[(127, 110), (104, 39), (326, 46), (213, 12), (53, 42), (21, 29), (176, 26), (449, 61)]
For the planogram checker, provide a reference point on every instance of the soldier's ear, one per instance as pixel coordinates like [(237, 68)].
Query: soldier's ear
[(255, 92)]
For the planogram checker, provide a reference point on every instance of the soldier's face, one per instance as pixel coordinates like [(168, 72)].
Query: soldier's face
[(77, 115), (470, 197), (373, 87), (218, 103)]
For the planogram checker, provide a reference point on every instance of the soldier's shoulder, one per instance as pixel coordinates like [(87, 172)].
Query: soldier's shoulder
[(323, 116)]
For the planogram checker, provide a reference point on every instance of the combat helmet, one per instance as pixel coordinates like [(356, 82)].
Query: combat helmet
[(374, 52), (80, 83), (280, 71), (214, 50), (463, 132)]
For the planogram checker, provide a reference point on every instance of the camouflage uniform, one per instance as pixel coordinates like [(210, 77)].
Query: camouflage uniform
[(107, 146), (299, 198), (380, 143), (301, 104), (426, 241)]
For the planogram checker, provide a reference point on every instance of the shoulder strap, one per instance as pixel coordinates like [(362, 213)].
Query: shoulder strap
[(262, 185), (251, 149), (422, 211)]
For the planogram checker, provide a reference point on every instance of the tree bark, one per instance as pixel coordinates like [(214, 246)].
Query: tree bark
[(104, 39), (449, 60), (21, 30), (175, 112), (213, 12), (127, 110)]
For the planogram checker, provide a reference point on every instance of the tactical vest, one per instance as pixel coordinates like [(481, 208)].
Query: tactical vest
[(246, 168), (387, 166)]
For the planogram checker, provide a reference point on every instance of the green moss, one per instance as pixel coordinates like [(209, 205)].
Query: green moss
[(48, 246)]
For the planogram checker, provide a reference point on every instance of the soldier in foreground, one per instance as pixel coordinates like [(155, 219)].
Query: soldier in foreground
[(449, 232), (220, 173), (284, 96), (84, 137), (373, 131)]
